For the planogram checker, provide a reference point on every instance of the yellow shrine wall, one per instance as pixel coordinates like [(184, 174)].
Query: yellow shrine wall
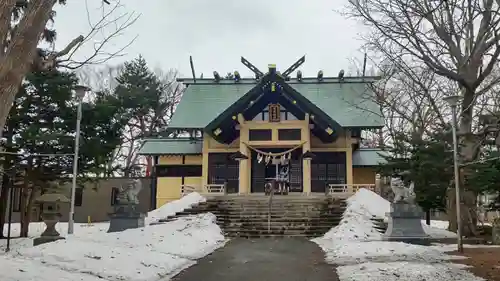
[(169, 188)]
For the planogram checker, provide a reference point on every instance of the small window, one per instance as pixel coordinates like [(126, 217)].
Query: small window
[(289, 134), (260, 135), (114, 196), (78, 196), (179, 171)]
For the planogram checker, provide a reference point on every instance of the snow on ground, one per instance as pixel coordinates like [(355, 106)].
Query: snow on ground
[(154, 252), (175, 206), (357, 247), (85, 230), (408, 271)]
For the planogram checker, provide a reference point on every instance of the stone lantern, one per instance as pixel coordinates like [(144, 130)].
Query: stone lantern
[(495, 232), (51, 213)]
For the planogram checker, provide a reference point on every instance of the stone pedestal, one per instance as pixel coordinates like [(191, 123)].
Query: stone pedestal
[(126, 217), (405, 224), (50, 234), (495, 231)]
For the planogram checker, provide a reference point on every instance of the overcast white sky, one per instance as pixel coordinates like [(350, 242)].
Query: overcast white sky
[(218, 32)]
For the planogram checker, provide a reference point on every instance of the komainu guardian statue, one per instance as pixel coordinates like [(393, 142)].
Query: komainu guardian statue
[(127, 213), (401, 192), (404, 219), (129, 193)]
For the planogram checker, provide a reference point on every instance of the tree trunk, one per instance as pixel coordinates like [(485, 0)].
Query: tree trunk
[(18, 58), (467, 153), (428, 217), (4, 196), (26, 214), (451, 210)]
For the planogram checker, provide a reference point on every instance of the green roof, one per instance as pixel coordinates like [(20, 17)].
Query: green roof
[(351, 104), (361, 157), (200, 104), (170, 146), (368, 157)]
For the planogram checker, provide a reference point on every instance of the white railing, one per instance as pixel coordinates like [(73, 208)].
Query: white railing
[(186, 189), (347, 189), (215, 189), (212, 189)]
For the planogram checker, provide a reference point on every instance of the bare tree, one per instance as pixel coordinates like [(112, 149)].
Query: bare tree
[(23, 24), (458, 40), (101, 79), (150, 123), (140, 123)]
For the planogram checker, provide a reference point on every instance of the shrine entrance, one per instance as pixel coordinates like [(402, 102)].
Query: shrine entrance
[(262, 172)]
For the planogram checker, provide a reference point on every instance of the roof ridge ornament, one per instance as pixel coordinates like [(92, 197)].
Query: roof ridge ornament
[(253, 68), (294, 66), (272, 68)]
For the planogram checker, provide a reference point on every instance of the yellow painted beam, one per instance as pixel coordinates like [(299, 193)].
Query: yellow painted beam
[(348, 167), (204, 167), (306, 164), (245, 167), (328, 149)]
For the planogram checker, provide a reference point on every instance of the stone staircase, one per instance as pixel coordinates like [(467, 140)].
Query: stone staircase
[(290, 215), (379, 224)]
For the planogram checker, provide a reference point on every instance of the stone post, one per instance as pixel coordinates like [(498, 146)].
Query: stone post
[(495, 231)]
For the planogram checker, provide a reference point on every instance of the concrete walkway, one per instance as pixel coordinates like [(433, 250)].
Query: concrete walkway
[(265, 259)]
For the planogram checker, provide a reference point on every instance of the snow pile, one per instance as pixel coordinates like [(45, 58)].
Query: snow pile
[(356, 223), (356, 246), (408, 271), (151, 253), (175, 206)]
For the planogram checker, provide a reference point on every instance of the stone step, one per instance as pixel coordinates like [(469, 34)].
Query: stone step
[(292, 214), (256, 232), (248, 213), (379, 224), (281, 219), (265, 204), (264, 226), (279, 213), (275, 197), (275, 215), (259, 236), (266, 207), (275, 226)]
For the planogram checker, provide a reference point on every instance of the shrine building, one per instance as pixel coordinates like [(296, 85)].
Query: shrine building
[(244, 132)]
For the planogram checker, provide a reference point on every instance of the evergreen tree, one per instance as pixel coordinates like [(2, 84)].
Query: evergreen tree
[(486, 176), (43, 121), (429, 165), (147, 102)]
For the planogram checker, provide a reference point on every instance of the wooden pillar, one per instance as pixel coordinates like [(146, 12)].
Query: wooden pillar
[(348, 162), (204, 164), (306, 164), (245, 165)]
